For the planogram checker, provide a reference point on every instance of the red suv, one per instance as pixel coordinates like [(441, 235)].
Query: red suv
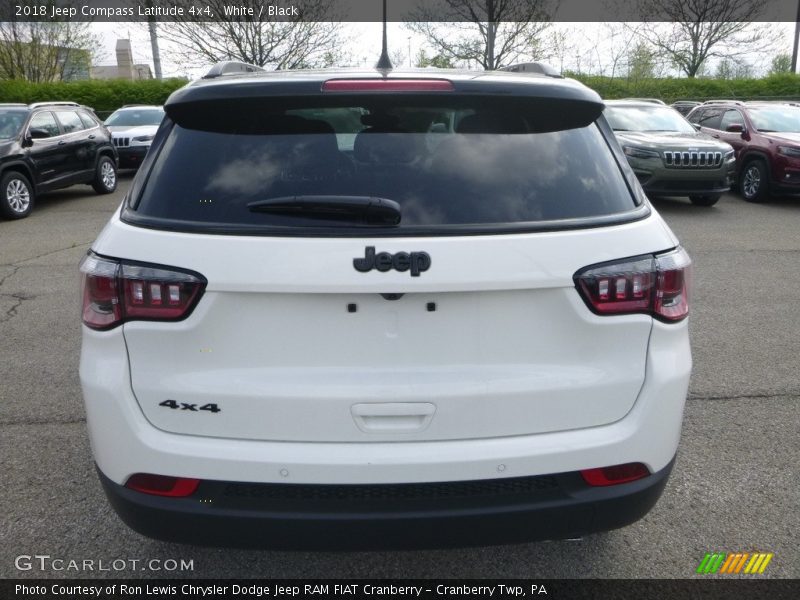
[(766, 139)]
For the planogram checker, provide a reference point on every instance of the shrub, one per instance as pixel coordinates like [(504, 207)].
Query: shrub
[(780, 86), (102, 95)]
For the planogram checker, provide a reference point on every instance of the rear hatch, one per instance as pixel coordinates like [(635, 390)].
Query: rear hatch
[(325, 319)]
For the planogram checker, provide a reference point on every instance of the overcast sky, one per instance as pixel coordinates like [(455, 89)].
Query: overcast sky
[(589, 53)]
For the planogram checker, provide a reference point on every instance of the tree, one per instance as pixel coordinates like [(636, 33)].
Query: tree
[(641, 62), (437, 60), (491, 33), (312, 39), (398, 56), (617, 41), (558, 48), (53, 50), (703, 29), (728, 69), (781, 63)]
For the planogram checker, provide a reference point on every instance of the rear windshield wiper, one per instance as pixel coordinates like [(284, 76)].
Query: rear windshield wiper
[(366, 209)]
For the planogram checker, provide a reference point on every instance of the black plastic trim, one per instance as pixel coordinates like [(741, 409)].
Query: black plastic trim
[(201, 227), (324, 522)]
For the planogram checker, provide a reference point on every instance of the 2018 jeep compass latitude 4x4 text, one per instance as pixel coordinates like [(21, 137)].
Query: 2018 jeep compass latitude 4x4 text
[(369, 309)]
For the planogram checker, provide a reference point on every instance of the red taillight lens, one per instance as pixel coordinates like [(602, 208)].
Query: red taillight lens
[(162, 485), (116, 291), (387, 85), (672, 290), (615, 475), (654, 285), (161, 294), (101, 306)]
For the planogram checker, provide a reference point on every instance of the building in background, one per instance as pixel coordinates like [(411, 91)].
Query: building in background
[(125, 67)]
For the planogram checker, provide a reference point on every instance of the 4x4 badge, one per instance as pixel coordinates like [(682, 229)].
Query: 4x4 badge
[(416, 262)]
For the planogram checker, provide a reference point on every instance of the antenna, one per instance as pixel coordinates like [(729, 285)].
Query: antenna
[(384, 62)]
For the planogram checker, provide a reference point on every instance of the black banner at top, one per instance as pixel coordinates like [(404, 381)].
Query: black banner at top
[(400, 10), (379, 589)]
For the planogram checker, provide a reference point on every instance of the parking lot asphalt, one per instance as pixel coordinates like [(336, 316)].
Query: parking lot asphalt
[(734, 487)]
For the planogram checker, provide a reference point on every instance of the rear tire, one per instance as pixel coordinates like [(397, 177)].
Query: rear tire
[(705, 200), (105, 177), (16, 195), (754, 181)]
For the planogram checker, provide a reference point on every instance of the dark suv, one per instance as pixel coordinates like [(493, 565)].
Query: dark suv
[(766, 139), (51, 145)]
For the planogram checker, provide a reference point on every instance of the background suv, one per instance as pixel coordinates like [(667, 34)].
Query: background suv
[(133, 129), (669, 157), (766, 139), (51, 145), (365, 309)]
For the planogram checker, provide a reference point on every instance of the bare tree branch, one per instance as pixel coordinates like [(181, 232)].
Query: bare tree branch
[(703, 29), (492, 33), (312, 39)]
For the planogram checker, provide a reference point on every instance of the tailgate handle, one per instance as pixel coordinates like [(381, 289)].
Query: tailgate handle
[(393, 417)]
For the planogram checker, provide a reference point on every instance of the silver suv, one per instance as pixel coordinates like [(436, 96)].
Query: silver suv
[(669, 156)]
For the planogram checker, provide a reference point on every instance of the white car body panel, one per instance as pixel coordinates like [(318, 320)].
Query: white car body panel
[(510, 350), (133, 132), (124, 442)]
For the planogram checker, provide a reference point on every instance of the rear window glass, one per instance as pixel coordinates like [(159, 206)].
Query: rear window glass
[(134, 117), (445, 166)]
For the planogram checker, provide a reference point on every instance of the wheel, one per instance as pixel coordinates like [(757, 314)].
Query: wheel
[(16, 195), (705, 200), (105, 178), (754, 181)]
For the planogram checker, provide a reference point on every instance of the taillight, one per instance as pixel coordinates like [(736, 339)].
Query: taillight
[(615, 475), (162, 485), (387, 85), (655, 285), (116, 291)]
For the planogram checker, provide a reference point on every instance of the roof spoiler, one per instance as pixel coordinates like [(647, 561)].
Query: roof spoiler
[(230, 67), (538, 68)]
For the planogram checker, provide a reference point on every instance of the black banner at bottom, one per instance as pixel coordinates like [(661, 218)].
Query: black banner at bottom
[(428, 589)]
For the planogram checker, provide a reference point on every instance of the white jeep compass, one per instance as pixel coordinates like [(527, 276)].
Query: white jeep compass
[(363, 309)]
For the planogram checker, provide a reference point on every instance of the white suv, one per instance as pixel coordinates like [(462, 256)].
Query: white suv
[(370, 310)]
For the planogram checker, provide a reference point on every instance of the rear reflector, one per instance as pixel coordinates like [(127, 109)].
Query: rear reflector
[(116, 291), (387, 85), (162, 485), (615, 475), (654, 285)]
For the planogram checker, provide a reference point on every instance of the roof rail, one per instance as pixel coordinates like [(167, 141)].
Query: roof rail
[(38, 104), (13, 104), (735, 102), (778, 102), (538, 68), (230, 67), (648, 100)]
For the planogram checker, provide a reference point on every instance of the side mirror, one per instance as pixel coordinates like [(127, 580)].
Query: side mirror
[(696, 126), (37, 133), (735, 128)]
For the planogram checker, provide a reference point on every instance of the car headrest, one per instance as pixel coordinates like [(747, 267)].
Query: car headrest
[(492, 122)]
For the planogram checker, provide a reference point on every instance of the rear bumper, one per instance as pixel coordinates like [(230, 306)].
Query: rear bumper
[(387, 516)]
